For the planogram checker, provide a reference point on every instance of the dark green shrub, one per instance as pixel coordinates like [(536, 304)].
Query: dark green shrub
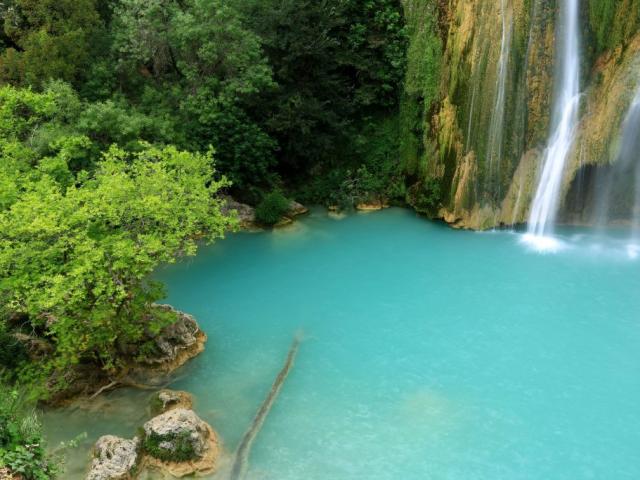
[(272, 207), (12, 351), (427, 196)]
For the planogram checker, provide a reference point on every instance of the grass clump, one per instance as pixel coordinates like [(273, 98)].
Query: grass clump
[(22, 447), (272, 208)]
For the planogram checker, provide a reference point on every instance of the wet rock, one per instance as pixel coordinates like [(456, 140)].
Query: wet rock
[(246, 213), (164, 352), (371, 206), (166, 400), (178, 442), (283, 222), (176, 343), (114, 458), (296, 209), (7, 474)]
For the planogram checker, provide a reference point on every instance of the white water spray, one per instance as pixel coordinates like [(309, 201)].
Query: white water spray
[(565, 118), (630, 155)]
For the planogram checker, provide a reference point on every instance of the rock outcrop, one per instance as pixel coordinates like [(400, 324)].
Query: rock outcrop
[(178, 442), (165, 400), (371, 206), (6, 474), (165, 351), (114, 458), (175, 344), (246, 213), (296, 209)]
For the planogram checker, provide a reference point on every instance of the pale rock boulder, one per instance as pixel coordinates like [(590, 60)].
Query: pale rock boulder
[(176, 433), (114, 458)]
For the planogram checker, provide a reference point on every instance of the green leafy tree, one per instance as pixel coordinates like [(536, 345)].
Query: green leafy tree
[(75, 258), (336, 63), (47, 39), (211, 68)]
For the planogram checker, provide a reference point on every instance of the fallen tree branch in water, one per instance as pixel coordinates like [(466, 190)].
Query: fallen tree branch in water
[(241, 459), (104, 388)]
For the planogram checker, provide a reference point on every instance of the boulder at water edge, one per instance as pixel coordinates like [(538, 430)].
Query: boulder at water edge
[(114, 458), (165, 400), (178, 442), (296, 209)]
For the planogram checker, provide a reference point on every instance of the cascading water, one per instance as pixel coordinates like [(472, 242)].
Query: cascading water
[(565, 118), (620, 194), (497, 116), (631, 156)]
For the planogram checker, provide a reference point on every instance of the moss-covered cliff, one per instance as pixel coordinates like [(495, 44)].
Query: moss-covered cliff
[(478, 96)]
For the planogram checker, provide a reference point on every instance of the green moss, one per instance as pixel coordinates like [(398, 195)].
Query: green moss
[(422, 81), (182, 450), (613, 22)]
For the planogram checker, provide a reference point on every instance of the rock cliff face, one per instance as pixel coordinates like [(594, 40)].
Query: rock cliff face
[(478, 94)]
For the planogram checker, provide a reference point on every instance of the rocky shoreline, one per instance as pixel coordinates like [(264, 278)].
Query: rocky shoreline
[(172, 347), (246, 214), (174, 443)]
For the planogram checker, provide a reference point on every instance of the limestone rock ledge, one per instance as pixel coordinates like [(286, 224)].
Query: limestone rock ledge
[(372, 206), (172, 347), (176, 443), (179, 443), (296, 209), (165, 400), (176, 344), (114, 458), (6, 474), (246, 213)]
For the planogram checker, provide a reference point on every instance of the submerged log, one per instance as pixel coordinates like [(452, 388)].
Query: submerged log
[(241, 459)]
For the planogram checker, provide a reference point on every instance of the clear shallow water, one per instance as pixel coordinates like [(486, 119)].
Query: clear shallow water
[(429, 354)]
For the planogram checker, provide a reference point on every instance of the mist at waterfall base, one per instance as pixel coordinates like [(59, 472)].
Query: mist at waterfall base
[(619, 190), (545, 204), (428, 353)]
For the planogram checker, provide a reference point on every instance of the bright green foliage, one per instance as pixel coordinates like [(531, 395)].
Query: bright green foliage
[(75, 256), (22, 448), (272, 207), (421, 85)]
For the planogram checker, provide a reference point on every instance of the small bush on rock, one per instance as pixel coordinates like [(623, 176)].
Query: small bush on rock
[(273, 206), (170, 448)]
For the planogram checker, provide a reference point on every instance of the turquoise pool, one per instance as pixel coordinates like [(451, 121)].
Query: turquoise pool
[(428, 353)]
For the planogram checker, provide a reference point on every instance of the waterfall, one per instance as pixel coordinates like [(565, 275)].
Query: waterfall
[(624, 178), (628, 162), (565, 118), (497, 115)]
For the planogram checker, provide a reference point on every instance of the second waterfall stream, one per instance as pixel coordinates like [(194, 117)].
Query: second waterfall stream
[(565, 118)]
